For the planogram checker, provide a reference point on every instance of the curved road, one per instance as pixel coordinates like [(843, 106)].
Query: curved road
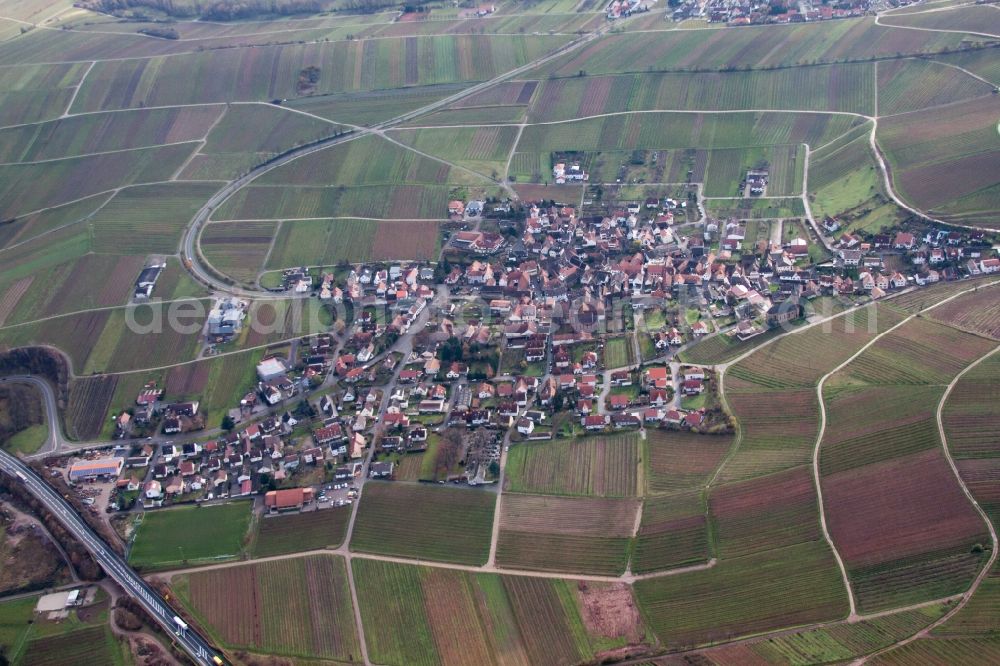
[(189, 242), (56, 440)]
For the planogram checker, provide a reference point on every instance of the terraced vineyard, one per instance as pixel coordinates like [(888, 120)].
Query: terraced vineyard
[(238, 249), (858, 432), (764, 513), (601, 467), (567, 534), (924, 545), (673, 533), (424, 522), (291, 607), (847, 88), (917, 353), (778, 430), (836, 643), (977, 312), (89, 400), (954, 183), (421, 615), (679, 460), (964, 650), (313, 530), (780, 365), (939, 84), (801, 582)]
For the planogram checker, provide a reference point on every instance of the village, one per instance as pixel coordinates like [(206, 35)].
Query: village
[(555, 325), (752, 12)]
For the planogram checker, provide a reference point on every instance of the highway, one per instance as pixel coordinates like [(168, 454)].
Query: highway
[(194, 644)]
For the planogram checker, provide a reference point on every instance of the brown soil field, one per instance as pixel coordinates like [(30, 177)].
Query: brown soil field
[(610, 611), (898, 509), (405, 240)]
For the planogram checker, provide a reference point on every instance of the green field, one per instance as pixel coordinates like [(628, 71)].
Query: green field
[(845, 183), (28, 441), (755, 209), (321, 242), (597, 466), (846, 88), (300, 532), (172, 538), (618, 352), (424, 522)]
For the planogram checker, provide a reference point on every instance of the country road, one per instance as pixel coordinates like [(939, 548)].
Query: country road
[(186, 241), (345, 551), (966, 596), (56, 440)]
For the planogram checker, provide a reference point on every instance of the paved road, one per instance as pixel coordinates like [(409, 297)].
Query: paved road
[(58, 443), (193, 643), (56, 440)]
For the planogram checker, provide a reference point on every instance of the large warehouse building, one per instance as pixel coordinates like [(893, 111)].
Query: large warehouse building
[(95, 469)]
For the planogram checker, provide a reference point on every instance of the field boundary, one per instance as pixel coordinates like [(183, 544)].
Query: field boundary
[(853, 617), (966, 596)]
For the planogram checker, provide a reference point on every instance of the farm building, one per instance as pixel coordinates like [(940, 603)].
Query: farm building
[(225, 320), (147, 280), (96, 469), (288, 500)]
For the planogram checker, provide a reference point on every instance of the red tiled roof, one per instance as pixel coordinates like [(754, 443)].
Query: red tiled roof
[(286, 499)]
